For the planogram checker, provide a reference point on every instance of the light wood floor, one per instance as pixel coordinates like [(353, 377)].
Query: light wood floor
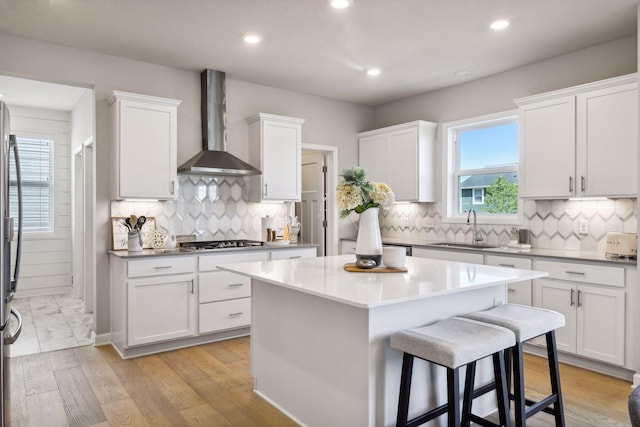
[(210, 385)]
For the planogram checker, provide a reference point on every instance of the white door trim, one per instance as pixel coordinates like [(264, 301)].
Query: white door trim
[(331, 153)]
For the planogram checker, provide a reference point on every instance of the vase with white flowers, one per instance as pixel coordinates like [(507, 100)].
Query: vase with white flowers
[(356, 194)]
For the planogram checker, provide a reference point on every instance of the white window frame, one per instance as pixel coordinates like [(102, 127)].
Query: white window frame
[(473, 196), (450, 173)]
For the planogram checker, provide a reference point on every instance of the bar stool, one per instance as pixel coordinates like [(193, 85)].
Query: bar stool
[(453, 343), (526, 323)]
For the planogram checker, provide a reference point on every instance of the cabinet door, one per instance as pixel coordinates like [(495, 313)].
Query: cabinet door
[(160, 308), (281, 160), (371, 157), (607, 137), (560, 297), (547, 148), (519, 292), (147, 150), (347, 247), (402, 164), (601, 314)]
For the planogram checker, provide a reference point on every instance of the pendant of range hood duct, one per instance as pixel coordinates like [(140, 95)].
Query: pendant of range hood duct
[(214, 158)]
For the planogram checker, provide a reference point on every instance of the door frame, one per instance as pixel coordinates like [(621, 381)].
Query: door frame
[(331, 156)]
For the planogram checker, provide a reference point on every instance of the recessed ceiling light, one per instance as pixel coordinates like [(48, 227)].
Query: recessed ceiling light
[(340, 4), (252, 39), (1, 94), (373, 71), (462, 73), (500, 24)]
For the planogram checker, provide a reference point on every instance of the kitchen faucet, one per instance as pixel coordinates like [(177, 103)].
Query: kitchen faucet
[(475, 238)]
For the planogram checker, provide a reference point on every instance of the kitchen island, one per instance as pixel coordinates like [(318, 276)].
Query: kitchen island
[(320, 335)]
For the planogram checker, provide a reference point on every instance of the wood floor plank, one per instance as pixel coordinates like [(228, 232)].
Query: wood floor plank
[(104, 382), (38, 374), (221, 372), (78, 397), (170, 384), (63, 359), (46, 409), (16, 402), (222, 353), (104, 353), (179, 362), (204, 415), (153, 404), (124, 413)]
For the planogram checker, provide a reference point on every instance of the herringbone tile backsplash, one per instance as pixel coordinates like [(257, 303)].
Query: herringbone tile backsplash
[(218, 208), (553, 224)]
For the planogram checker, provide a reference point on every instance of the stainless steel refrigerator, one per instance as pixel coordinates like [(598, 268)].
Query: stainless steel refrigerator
[(9, 276)]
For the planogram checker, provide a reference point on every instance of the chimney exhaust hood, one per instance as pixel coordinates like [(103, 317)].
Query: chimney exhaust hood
[(214, 158)]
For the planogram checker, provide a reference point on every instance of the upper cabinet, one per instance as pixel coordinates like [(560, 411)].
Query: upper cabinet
[(275, 147), (145, 146), (403, 157), (580, 141)]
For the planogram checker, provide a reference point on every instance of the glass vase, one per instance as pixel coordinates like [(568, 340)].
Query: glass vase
[(369, 243)]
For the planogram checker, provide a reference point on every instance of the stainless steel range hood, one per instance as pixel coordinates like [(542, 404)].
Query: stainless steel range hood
[(214, 158)]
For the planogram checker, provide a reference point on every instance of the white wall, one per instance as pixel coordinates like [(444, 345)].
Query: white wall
[(46, 258), (329, 122)]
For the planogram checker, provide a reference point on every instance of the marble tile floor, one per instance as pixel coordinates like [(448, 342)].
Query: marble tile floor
[(51, 322)]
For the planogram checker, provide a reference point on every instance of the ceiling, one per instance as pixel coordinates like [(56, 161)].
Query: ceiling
[(309, 47)]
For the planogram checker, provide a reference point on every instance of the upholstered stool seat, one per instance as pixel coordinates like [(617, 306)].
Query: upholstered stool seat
[(453, 343), (634, 407), (526, 323)]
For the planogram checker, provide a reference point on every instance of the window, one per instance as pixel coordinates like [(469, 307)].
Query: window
[(482, 168), (36, 161)]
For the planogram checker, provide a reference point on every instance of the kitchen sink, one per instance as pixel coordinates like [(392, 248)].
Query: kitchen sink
[(465, 245)]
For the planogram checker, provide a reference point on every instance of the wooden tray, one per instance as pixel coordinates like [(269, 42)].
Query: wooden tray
[(352, 268)]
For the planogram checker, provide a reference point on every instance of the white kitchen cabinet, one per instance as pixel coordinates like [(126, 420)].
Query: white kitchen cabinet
[(594, 313), (275, 147), (448, 255), (518, 292), (347, 246), (580, 141), (294, 253), (403, 157), (145, 146), (160, 308), (607, 141)]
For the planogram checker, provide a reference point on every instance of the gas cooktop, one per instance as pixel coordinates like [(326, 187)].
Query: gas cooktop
[(219, 244)]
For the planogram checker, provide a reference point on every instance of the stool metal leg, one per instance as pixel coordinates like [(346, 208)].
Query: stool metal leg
[(453, 397), (501, 389), (555, 378), (518, 385), (405, 390)]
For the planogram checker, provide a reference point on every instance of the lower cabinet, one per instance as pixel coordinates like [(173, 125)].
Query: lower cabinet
[(594, 314), (519, 292), (160, 308), (294, 253), (448, 255)]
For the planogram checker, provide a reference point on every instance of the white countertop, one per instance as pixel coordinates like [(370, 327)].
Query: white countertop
[(325, 277)]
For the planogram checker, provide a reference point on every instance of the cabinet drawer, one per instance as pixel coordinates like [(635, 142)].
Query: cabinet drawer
[(583, 273), (223, 285), (210, 262), (221, 315), (519, 292), (161, 266), (509, 262), (348, 247), (293, 253), (448, 255)]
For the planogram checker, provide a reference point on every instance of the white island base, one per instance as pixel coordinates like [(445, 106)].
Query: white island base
[(320, 336)]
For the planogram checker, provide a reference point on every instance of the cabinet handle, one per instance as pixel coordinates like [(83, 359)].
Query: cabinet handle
[(582, 184), (236, 285), (162, 267), (577, 273), (240, 313), (507, 265), (172, 188), (511, 291), (579, 298), (573, 297), (570, 184), (294, 257), (265, 189)]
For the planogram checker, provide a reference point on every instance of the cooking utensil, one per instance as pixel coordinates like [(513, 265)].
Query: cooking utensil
[(141, 222), (133, 219), (127, 222)]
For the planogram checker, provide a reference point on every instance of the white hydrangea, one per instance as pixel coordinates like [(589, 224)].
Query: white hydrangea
[(381, 195), (348, 197)]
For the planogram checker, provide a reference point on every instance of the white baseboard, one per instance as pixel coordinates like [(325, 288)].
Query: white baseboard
[(636, 380), (102, 339), (58, 290)]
